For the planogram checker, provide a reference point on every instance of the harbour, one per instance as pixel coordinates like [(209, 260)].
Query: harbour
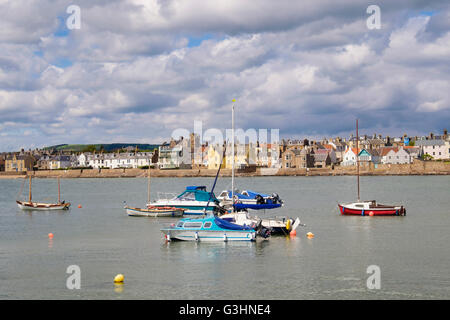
[(102, 240)]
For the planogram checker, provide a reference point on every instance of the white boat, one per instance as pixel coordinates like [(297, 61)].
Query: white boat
[(276, 225), (195, 199), (41, 206), (154, 212)]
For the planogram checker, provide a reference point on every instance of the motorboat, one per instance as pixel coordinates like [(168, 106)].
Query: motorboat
[(276, 225), (195, 199), (212, 229)]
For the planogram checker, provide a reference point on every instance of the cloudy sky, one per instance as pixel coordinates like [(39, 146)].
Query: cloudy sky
[(136, 70)]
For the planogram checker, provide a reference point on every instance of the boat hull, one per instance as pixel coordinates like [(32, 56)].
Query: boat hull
[(137, 212), (388, 211), (209, 236), (208, 229), (42, 206), (190, 208)]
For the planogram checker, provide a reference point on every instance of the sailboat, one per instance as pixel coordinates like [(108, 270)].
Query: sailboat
[(153, 211), (30, 205), (240, 202), (368, 208)]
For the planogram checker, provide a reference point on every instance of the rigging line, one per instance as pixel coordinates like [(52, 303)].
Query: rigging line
[(21, 189)]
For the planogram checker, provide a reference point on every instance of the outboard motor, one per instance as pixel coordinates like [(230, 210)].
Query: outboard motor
[(276, 198), (261, 231), (259, 199)]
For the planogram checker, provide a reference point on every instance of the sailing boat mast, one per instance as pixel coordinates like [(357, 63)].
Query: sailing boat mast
[(29, 193), (232, 154), (59, 191), (357, 155), (148, 185)]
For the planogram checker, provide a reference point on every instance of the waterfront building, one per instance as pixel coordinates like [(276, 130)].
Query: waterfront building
[(297, 158), (59, 162), (349, 158), (18, 163), (437, 148), (395, 155)]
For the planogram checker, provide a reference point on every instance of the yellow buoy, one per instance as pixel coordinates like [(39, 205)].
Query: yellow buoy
[(310, 235), (288, 225), (119, 278)]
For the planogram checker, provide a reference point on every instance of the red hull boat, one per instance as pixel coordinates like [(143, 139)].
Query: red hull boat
[(368, 208), (371, 208)]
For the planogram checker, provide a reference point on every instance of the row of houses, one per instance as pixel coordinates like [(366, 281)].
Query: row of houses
[(190, 153)]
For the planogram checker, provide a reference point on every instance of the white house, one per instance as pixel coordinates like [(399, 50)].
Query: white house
[(349, 158), (436, 148), (391, 155)]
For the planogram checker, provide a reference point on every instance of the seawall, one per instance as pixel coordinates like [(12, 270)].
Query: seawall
[(416, 168)]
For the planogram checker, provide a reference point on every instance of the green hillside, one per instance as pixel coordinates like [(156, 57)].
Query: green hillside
[(111, 147)]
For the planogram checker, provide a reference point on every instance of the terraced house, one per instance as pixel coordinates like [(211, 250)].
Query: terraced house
[(18, 163)]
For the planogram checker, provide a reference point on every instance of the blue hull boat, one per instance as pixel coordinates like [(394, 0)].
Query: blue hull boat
[(209, 229)]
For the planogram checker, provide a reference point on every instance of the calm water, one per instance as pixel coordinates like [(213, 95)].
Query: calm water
[(413, 252)]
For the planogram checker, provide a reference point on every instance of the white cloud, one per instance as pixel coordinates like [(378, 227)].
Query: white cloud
[(306, 68)]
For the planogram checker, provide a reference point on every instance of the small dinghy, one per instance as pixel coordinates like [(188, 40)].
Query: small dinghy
[(155, 212)]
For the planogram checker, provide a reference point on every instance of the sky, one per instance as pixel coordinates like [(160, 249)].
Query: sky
[(136, 71)]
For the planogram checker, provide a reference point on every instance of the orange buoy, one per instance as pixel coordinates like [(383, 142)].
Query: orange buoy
[(79, 206), (293, 233), (310, 235), (50, 235), (371, 213)]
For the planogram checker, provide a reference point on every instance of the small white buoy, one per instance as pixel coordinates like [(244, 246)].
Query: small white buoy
[(225, 237), (196, 236), (168, 237)]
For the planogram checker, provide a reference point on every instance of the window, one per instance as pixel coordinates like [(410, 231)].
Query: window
[(192, 224), (180, 224), (189, 196), (207, 225)]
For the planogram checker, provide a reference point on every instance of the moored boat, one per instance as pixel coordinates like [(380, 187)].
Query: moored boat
[(368, 208), (155, 212), (208, 229), (276, 225), (195, 199), (42, 206), (371, 208), (27, 205)]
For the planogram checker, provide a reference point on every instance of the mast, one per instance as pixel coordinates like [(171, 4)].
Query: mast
[(29, 193), (148, 185), (357, 157), (59, 191), (232, 154)]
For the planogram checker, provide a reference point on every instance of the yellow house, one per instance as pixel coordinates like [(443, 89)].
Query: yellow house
[(241, 157), (19, 163), (214, 157)]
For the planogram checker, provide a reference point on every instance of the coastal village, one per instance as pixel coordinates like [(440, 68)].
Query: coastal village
[(188, 153)]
